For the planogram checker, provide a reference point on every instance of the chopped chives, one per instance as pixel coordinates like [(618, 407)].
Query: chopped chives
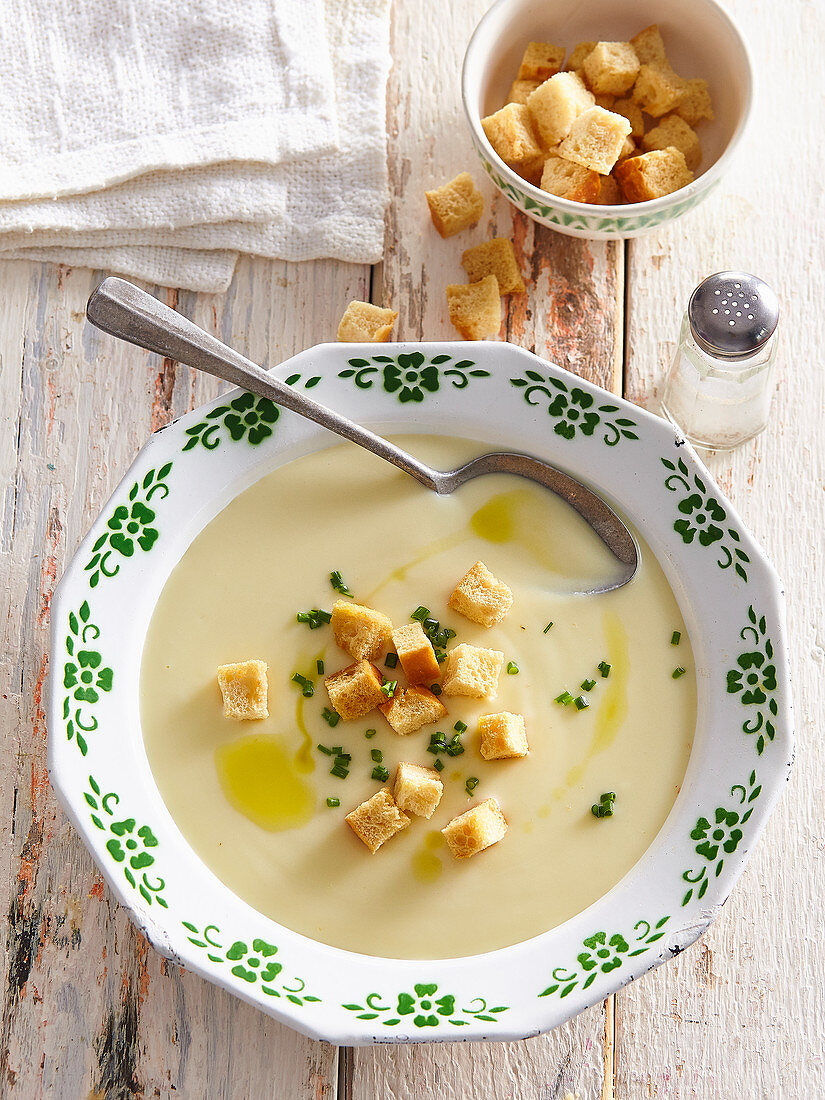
[(441, 657), (675, 637), (580, 702), (319, 664), (370, 734), (512, 668), (420, 614), (588, 685), (330, 717), (437, 744), (677, 672), (377, 756), (455, 748), (338, 583), (379, 772), (609, 797), (325, 750), (604, 668), (388, 688), (314, 618), (431, 626), (435, 689), (343, 758), (339, 771), (337, 750), (548, 628), (471, 784), (604, 807), (391, 660), (333, 802), (564, 698), (460, 727), (307, 686), (439, 765)]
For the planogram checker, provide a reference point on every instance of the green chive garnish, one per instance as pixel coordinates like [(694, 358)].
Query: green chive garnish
[(388, 689), (460, 727), (333, 802), (547, 629), (377, 756), (441, 657), (325, 750), (675, 637), (677, 672), (512, 668), (381, 773), (339, 771), (314, 618), (588, 685), (370, 734), (604, 807), (437, 744), (564, 698), (338, 583), (471, 784), (455, 748), (439, 765), (307, 686), (391, 660), (330, 717), (319, 664), (604, 668), (580, 702), (420, 614), (435, 689)]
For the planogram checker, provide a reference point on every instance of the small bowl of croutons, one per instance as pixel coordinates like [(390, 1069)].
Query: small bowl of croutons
[(605, 121)]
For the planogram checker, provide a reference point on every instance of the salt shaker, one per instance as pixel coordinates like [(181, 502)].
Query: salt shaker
[(719, 387)]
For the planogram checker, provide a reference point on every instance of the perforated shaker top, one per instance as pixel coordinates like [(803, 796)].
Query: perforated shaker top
[(732, 314)]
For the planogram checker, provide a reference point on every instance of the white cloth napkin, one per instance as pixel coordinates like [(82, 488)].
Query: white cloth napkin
[(289, 183)]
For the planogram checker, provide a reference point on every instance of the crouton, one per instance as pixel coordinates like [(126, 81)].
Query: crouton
[(652, 175), (658, 90), (695, 104), (605, 101), (512, 134), (633, 113), (495, 257), (417, 790), (628, 150), (673, 130), (456, 205), (649, 47), (475, 829), (611, 68), (610, 194), (377, 819), (480, 597), (541, 61), (411, 708), (556, 103), (502, 736), (359, 631), (473, 671), (475, 308), (244, 689), (355, 690), (364, 323), (416, 654), (521, 89), (569, 181), (595, 140), (580, 52)]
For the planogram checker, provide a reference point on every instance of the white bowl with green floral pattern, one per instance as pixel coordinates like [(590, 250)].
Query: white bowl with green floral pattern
[(701, 41), (186, 473)]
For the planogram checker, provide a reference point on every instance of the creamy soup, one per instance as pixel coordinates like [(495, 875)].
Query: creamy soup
[(251, 797)]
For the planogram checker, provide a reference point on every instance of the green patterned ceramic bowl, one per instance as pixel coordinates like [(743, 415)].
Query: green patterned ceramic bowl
[(701, 40), (729, 595)]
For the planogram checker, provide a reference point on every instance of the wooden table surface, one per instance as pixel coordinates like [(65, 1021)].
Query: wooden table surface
[(89, 1009)]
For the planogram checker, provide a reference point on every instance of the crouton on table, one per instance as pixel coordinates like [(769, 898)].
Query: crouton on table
[(495, 257), (364, 323), (475, 308), (456, 205)]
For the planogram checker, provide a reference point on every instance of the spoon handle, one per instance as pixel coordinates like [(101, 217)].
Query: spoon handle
[(126, 311)]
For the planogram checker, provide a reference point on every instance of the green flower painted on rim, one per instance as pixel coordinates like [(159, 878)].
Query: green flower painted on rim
[(754, 680), (423, 1008), (254, 964), (574, 409), (131, 526), (129, 845), (245, 417), (409, 376), (704, 517), (604, 953), (706, 521), (86, 677), (719, 836)]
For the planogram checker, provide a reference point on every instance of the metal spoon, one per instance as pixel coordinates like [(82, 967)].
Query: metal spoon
[(125, 311)]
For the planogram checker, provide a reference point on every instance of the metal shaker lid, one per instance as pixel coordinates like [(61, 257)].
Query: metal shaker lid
[(732, 314)]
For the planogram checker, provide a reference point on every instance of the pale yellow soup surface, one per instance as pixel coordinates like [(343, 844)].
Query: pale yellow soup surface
[(250, 797)]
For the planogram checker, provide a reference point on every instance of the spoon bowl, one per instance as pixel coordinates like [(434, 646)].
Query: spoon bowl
[(121, 309)]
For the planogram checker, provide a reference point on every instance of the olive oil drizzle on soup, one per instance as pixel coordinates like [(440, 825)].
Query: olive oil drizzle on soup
[(251, 797)]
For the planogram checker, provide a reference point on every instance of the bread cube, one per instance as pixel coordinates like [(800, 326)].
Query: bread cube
[(658, 90), (495, 257), (475, 829), (455, 206), (475, 308), (633, 113), (480, 597), (556, 103), (611, 68), (417, 790), (503, 736), (358, 630), (355, 690), (695, 104), (541, 61), (569, 181), (512, 134), (416, 654), (610, 194), (605, 101), (521, 89), (364, 323), (673, 130), (580, 52), (244, 689), (628, 150), (649, 47), (411, 708), (472, 671), (377, 819), (595, 140), (653, 175)]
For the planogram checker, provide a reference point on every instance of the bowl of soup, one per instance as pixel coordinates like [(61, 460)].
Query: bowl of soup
[(656, 716)]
